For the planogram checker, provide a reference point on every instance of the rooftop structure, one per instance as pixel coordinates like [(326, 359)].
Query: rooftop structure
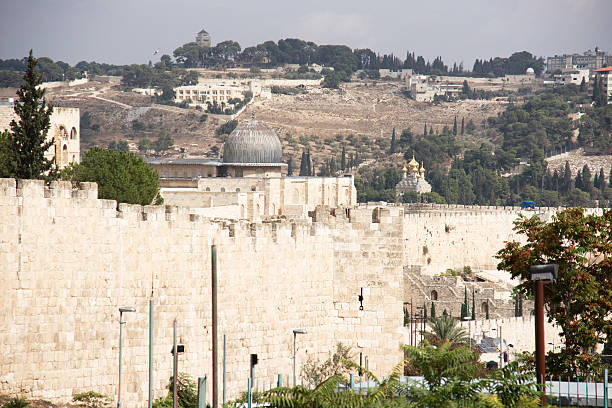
[(588, 60), (203, 39)]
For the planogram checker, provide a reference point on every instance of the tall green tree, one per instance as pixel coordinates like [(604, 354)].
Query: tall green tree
[(455, 126), (27, 142), (580, 301), (462, 126), (393, 147)]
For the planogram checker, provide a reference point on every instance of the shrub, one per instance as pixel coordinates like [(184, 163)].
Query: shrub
[(17, 402), (92, 399)]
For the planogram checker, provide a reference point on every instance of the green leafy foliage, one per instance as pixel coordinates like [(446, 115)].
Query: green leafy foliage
[(121, 176), (445, 329), (580, 301), (17, 402), (92, 399), (315, 371), (186, 392), (227, 128)]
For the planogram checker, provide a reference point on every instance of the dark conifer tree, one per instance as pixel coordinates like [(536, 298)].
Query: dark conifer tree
[(555, 181), (431, 132), (602, 180), (393, 147), (433, 310), (26, 142), (303, 165), (596, 180), (290, 166), (587, 183), (343, 158), (309, 168), (425, 130), (567, 178), (462, 126), (578, 180), (455, 126), (473, 305)]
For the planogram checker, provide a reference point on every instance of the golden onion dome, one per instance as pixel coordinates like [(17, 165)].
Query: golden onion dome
[(414, 165)]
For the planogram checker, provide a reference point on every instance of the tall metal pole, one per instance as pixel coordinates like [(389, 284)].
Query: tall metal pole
[(224, 371), (411, 326), (294, 381), (174, 368), (539, 329), (120, 350), (151, 351), (215, 365), (501, 348)]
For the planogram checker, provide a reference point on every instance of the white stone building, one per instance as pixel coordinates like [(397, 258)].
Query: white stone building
[(605, 77), (572, 76), (64, 130)]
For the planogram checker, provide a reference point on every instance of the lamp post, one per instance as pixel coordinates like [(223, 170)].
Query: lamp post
[(469, 320), (295, 333), (124, 309), (541, 274)]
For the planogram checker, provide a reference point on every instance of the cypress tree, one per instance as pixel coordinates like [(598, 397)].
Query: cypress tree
[(303, 166), (455, 126), (578, 180), (473, 305), (433, 310), (602, 180), (425, 130), (596, 180), (567, 178), (26, 142), (308, 164), (290, 166), (431, 130), (586, 179), (392, 149), (462, 126), (343, 159)]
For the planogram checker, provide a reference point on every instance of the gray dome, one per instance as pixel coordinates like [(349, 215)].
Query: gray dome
[(252, 142)]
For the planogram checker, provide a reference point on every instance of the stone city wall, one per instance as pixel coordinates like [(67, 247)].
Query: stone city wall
[(70, 260)]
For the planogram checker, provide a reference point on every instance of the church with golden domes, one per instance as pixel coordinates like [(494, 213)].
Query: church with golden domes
[(413, 179)]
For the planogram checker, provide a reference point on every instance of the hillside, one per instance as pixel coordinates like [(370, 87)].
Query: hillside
[(321, 119)]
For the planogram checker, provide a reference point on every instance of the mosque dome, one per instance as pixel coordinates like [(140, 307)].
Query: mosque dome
[(252, 142), (530, 71)]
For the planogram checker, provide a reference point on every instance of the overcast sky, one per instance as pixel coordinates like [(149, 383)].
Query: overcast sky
[(128, 31)]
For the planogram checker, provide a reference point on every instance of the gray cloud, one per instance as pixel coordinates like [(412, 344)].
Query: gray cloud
[(127, 31)]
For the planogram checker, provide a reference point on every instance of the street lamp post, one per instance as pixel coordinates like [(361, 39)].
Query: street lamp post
[(122, 310), (541, 274), (469, 321), (295, 333)]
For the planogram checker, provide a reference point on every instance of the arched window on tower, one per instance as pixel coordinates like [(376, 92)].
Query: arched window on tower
[(434, 295), (73, 133)]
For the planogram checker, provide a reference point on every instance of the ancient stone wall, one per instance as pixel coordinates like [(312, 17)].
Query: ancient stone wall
[(70, 260)]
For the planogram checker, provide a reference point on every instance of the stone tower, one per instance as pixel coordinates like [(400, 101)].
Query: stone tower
[(203, 39)]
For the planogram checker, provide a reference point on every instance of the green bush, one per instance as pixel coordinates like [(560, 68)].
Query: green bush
[(92, 399), (17, 402)]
